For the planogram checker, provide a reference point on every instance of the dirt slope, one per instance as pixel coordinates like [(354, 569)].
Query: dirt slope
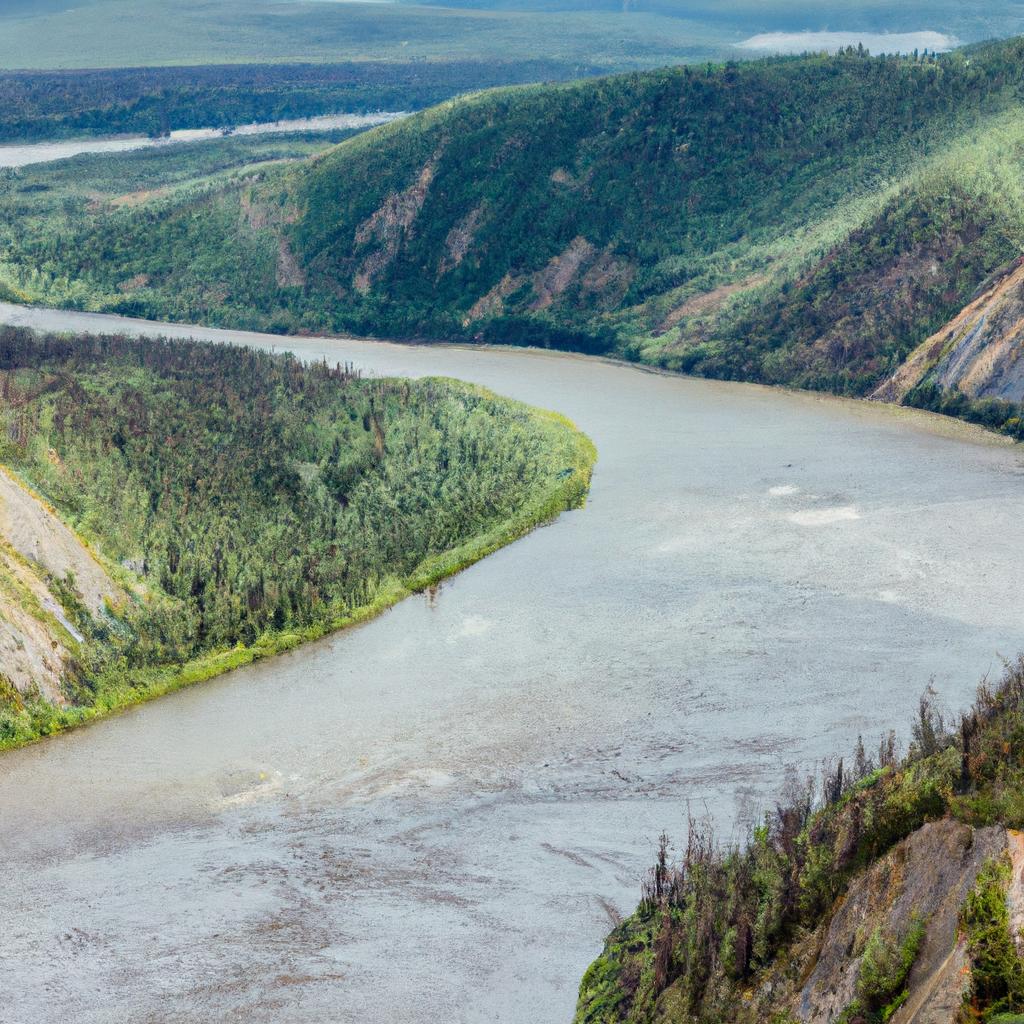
[(38, 640), (978, 352)]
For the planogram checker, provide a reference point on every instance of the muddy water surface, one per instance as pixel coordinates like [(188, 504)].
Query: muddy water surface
[(436, 816)]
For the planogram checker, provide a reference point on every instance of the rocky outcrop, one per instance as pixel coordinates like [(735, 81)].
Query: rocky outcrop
[(706, 302), (289, 272), (38, 641), (560, 272), (924, 879), (389, 226), (36, 534), (493, 303), (978, 352), (35, 650), (459, 239)]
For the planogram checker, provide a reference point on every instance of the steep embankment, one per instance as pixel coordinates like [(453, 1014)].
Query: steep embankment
[(47, 575), (973, 365), (897, 895)]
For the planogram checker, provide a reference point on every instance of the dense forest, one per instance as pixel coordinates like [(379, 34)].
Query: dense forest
[(37, 105), (757, 933), (802, 220), (247, 499)]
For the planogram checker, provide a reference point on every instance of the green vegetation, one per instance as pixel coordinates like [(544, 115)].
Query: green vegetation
[(153, 101), (729, 921), (247, 502), (50, 203), (884, 967), (993, 413), (804, 221), (997, 974)]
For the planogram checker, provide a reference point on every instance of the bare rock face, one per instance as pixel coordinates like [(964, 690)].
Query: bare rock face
[(389, 227), (38, 535), (560, 272), (979, 352), (925, 878), (36, 637)]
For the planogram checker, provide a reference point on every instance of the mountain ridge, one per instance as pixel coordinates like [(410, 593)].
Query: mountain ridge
[(806, 221)]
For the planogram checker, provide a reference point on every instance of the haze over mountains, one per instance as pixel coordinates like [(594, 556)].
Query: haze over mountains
[(610, 33)]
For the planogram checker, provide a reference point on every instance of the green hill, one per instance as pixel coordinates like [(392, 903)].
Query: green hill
[(174, 509), (805, 221)]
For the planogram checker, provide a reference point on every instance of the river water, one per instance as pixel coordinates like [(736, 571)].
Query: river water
[(44, 152), (436, 816)]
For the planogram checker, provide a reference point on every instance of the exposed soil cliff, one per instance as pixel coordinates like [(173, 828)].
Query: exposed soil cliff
[(978, 352), (43, 565), (896, 896)]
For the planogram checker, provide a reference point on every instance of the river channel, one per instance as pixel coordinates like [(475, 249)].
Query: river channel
[(437, 816)]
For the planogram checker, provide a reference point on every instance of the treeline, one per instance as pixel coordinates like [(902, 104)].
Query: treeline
[(253, 494), (563, 213), (850, 320), (37, 105), (654, 171), (718, 928)]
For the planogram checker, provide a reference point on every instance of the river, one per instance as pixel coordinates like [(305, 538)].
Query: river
[(436, 816), (22, 155)]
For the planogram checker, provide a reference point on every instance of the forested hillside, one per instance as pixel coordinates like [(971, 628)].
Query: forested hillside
[(154, 101), (804, 221), (241, 502)]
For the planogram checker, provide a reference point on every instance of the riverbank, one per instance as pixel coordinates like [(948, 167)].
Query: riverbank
[(491, 766), (43, 318), (24, 155), (120, 685)]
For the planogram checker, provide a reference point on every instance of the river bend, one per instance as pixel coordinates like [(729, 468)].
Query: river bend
[(437, 816)]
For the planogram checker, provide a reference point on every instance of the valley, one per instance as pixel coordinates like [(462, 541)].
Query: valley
[(324, 814), (766, 542), (711, 230)]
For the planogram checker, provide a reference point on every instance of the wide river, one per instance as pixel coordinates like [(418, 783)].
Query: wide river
[(25, 154), (435, 817)]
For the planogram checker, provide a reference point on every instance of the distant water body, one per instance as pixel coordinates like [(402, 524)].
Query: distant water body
[(875, 42), (44, 152)]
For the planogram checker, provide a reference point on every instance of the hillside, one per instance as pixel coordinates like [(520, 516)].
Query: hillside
[(892, 892), (152, 101), (192, 507), (972, 367), (806, 221)]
